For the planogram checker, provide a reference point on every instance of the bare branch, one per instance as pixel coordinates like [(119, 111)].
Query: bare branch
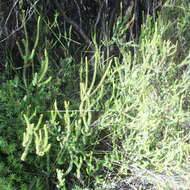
[(28, 15), (79, 13), (76, 27), (99, 14)]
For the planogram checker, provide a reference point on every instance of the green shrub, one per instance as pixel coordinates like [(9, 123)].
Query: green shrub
[(127, 122)]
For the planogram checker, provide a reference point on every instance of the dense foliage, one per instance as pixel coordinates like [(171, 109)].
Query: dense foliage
[(95, 95)]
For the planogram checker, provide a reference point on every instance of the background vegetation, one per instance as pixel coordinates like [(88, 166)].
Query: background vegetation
[(94, 95)]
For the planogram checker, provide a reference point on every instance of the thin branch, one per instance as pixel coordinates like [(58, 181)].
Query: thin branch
[(99, 14), (76, 27), (79, 13), (27, 17), (10, 12)]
